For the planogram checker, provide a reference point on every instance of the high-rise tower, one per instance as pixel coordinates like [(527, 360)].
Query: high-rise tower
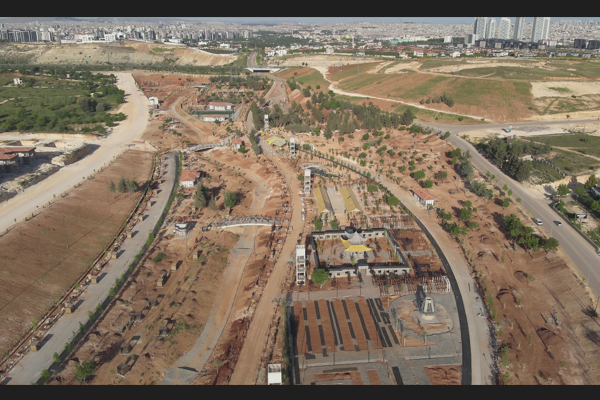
[(541, 29), (504, 32), (480, 26), (491, 29), (519, 27)]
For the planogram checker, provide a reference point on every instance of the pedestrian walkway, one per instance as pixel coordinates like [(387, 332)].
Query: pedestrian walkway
[(28, 371)]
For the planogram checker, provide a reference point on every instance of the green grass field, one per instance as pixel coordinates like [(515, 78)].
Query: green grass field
[(430, 64), (584, 68), (160, 50), (544, 174), (313, 78), (585, 144), (518, 73), (571, 163), (350, 70)]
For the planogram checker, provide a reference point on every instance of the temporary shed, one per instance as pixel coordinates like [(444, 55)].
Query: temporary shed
[(323, 201), (350, 200)]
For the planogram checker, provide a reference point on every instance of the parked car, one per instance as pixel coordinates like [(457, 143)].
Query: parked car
[(538, 222)]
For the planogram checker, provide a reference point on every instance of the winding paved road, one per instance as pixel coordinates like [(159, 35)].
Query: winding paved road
[(29, 369), (577, 249)]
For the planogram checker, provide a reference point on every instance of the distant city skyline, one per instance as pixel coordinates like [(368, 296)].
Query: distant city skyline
[(438, 20)]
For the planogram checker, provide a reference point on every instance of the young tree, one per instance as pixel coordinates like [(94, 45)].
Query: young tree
[(393, 201), (231, 199), (466, 214), (551, 245), (84, 371), (320, 277), (428, 184), (132, 186), (506, 203), (442, 176), (122, 186), (418, 175), (591, 183), (563, 190), (213, 205), (200, 198), (465, 169), (112, 187)]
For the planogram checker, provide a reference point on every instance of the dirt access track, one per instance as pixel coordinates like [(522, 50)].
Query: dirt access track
[(136, 110), (37, 268), (129, 53)]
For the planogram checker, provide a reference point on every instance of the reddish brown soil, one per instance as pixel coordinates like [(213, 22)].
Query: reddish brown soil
[(537, 281), (164, 86), (374, 378), (36, 265), (188, 294), (444, 376)]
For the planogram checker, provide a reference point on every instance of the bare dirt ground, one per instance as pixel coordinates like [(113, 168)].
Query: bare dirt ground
[(444, 376), (565, 89), (523, 287), (255, 283), (128, 53), (164, 86), (36, 265), (323, 60), (450, 69), (187, 298)]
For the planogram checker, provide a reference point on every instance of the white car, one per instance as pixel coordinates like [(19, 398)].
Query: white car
[(538, 222)]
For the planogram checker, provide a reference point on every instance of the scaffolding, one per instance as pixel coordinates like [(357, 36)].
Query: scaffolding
[(293, 148), (300, 265), (307, 183)]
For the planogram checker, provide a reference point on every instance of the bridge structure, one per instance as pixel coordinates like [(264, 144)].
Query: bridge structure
[(263, 70), (208, 146), (249, 221)]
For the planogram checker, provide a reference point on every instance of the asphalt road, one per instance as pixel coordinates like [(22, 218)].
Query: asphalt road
[(26, 203), (28, 371), (577, 249)]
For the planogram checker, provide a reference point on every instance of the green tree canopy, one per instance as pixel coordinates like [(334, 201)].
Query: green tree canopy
[(200, 198), (591, 183), (428, 184), (320, 277), (231, 199), (418, 175), (442, 176), (563, 190)]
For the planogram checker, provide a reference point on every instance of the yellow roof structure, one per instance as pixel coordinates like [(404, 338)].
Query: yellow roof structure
[(350, 200), (355, 249), (276, 141), (323, 202)]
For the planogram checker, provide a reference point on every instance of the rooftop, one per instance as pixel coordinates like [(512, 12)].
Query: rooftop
[(350, 200), (323, 201), (189, 176), (6, 150), (424, 195)]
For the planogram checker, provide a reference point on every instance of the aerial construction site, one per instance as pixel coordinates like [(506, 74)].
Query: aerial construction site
[(251, 229)]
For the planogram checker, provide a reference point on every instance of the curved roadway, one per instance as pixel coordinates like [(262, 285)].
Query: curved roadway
[(576, 248)]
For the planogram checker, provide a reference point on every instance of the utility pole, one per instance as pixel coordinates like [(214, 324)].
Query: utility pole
[(132, 168)]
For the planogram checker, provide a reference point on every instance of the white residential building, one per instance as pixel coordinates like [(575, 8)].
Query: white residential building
[(490, 31), (519, 27), (221, 107), (541, 29), (189, 178), (278, 51), (504, 32), (480, 27)]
